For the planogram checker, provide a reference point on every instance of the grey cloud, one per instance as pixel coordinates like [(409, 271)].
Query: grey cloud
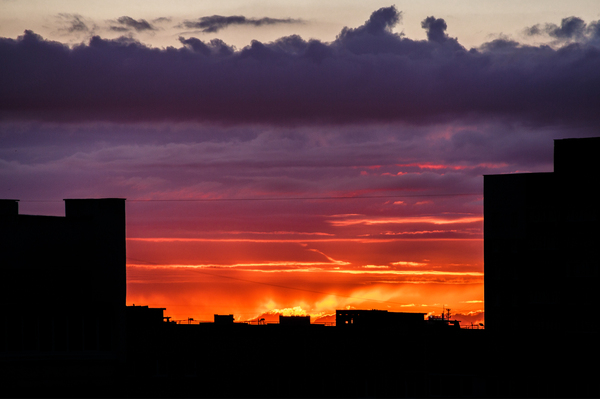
[(436, 29), (119, 29), (533, 30), (130, 23), (381, 22), (570, 28), (500, 45), (436, 33), (75, 23), (593, 30), (216, 23), (161, 20), (375, 36), (215, 46)]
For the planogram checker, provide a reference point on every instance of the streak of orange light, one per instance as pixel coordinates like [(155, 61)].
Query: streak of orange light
[(421, 219)]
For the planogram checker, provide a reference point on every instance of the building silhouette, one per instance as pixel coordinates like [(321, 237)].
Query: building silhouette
[(541, 244), (63, 290), (379, 319), (223, 319)]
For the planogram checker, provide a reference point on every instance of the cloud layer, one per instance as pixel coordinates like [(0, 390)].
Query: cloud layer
[(367, 74)]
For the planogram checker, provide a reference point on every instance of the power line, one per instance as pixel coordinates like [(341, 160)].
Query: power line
[(348, 197), (302, 198)]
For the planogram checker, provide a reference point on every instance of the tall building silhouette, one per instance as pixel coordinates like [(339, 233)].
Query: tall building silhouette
[(63, 280), (541, 244)]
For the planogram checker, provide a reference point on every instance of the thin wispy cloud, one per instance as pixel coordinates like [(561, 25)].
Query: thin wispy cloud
[(74, 23), (127, 23), (215, 23)]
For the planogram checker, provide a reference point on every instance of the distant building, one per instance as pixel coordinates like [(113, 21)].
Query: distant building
[(63, 280), (378, 319), (541, 241), (223, 319), (145, 317), (442, 322)]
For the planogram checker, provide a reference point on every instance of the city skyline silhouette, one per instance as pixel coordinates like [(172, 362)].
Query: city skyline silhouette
[(74, 317), (338, 199)]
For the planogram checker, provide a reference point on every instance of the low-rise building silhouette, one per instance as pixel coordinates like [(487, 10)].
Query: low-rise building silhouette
[(379, 319), (223, 319)]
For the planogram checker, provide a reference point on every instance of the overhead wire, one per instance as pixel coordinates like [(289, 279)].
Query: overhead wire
[(348, 197)]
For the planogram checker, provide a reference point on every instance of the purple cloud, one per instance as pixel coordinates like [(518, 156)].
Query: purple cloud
[(368, 74)]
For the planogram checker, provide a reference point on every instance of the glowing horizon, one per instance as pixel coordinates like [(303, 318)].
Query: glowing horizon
[(312, 274)]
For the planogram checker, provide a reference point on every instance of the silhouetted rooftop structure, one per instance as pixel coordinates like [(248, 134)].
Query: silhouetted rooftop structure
[(144, 316), (541, 244), (223, 319)]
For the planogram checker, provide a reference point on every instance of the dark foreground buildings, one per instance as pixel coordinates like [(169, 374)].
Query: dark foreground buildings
[(542, 269), (66, 330), (541, 242), (62, 292)]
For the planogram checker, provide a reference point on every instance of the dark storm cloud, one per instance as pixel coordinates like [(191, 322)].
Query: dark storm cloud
[(368, 74), (215, 23), (128, 23)]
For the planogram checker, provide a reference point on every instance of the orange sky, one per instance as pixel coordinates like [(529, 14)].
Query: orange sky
[(419, 263)]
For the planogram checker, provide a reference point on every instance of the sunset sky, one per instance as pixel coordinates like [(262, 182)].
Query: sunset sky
[(287, 157)]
